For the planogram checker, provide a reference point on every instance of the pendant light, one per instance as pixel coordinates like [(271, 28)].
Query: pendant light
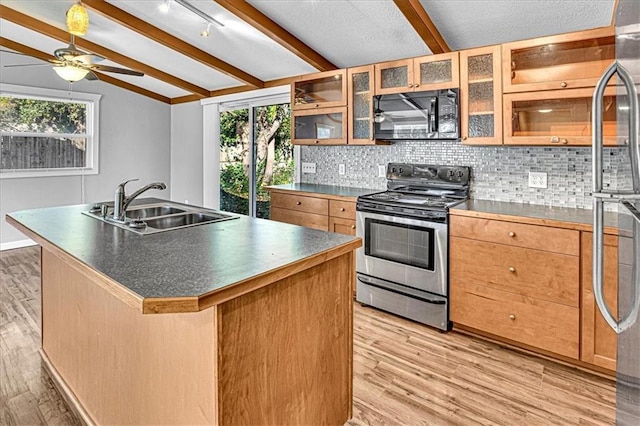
[(77, 20)]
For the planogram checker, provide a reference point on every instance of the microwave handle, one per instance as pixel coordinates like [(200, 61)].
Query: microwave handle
[(433, 112)]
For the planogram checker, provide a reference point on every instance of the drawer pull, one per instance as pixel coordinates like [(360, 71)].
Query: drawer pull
[(563, 84), (353, 227), (298, 202), (512, 234), (512, 269), (341, 209), (512, 317)]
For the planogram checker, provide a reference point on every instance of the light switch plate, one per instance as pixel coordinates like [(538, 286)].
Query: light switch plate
[(382, 170), (308, 167), (537, 180), (341, 169)]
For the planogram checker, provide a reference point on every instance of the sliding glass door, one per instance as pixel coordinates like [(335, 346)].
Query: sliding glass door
[(255, 151)]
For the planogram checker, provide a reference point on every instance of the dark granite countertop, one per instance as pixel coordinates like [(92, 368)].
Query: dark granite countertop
[(329, 190), (572, 217), (188, 262)]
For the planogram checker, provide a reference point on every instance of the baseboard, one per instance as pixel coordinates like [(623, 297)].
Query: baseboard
[(66, 393), (17, 244)]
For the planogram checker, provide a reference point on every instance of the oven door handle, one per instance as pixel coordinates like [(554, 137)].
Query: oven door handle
[(394, 288)]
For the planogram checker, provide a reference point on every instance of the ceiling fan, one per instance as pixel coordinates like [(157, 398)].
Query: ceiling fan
[(71, 63)]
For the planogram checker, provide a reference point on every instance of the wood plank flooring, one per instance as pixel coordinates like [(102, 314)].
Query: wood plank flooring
[(404, 373)]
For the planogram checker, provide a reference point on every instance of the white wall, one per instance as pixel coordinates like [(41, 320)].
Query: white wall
[(186, 153), (135, 141)]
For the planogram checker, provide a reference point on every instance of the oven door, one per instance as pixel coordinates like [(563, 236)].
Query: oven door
[(406, 251)]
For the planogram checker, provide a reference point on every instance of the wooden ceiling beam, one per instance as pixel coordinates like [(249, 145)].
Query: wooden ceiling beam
[(26, 50), (421, 22), (156, 34), (56, 33), (264, 24)]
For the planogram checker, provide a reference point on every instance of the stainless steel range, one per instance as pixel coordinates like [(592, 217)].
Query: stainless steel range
[(403, 265)]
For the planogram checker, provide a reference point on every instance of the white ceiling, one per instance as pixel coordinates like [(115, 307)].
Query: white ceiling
[(347, 33)]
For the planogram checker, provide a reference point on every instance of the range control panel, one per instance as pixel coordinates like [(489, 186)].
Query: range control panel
[(427, 173)]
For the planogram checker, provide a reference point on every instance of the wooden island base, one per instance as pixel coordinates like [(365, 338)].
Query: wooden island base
[(281, 354)]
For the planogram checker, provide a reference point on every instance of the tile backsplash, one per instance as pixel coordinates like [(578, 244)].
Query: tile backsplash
[(498, 173)]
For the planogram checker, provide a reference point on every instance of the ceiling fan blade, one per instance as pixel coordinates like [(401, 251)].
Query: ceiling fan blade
[(24, 65), (107, 68), (89, 58), (92, 76)]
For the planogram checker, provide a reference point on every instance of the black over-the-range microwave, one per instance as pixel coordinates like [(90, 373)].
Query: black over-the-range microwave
[(425, 115)]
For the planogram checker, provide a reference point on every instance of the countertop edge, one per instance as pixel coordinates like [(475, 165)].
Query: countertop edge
[(113, 287), (314, 194), (531, 220), (232, 291)]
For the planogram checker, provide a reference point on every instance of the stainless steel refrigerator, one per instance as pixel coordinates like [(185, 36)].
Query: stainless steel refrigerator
[(626, 67)]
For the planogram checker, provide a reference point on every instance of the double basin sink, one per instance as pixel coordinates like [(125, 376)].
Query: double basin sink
[(158, 217)]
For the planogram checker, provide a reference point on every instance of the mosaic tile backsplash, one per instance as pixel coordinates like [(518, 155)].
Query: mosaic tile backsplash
[(498, 173)]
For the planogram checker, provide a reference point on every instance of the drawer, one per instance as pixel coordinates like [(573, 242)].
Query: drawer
[(534, 322), (342, 226), (310, 220), (300, 203), (345, 209), (545, 238), (549, 276)]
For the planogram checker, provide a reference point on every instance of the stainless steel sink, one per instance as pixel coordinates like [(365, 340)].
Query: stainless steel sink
[(155, 211), (186, 219), (158, 217)]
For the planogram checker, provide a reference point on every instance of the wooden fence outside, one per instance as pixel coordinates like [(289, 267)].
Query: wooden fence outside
[(19, 153)]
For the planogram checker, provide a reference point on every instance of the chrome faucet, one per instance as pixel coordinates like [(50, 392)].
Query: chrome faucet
[(122, 201)]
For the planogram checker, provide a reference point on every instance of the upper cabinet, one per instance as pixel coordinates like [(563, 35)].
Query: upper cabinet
[(320, 90), (563, 61), (360, 96), (417, 74), (481, 96)]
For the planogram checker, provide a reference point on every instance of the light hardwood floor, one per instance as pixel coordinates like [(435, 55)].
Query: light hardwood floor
[(404, 373)]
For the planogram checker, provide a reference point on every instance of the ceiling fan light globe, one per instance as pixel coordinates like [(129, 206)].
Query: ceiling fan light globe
[(77, 20), (70, 73)]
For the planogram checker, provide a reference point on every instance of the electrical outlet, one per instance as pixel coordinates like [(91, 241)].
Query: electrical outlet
[(382, 170), (341, 170), (537, 180), (308, 167)]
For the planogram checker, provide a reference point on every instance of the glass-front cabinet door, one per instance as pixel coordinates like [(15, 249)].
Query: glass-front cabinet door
[(481, 96), (394, 77), (556, 117), (326, 126), (563, 61), (360, 90), (436, 72), (320, 90)]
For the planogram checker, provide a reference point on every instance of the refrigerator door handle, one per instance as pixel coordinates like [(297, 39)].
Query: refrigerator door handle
[(598, 203)]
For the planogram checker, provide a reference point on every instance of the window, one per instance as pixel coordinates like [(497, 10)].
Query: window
[(47, 132)]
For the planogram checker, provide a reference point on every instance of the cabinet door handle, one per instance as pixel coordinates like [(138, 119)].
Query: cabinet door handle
[(317, 105), (353, 227), (341, 209), (563, 84), (512, 234), (564, 141), (512, 317), (298, 203), (416, 85), (410, 86), (317, 141), (555, 139), (512, 269)]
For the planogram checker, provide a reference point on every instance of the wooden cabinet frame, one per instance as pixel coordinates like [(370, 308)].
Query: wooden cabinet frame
[(314, 141), (413, 74), (496, 139), (320, 104), (510, 139), (351, 109), (552, 83)]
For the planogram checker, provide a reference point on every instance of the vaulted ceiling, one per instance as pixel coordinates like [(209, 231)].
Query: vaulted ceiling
[(263, 43)]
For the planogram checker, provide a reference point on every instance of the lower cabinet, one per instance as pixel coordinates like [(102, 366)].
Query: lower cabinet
[(531, 285), (599, 341), (500, 286), (314, 212)]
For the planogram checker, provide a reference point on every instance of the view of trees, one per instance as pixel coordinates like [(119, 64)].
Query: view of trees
[(28, 115), (274, 155)]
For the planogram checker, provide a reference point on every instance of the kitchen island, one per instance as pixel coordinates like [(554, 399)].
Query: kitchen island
[(245, 321)]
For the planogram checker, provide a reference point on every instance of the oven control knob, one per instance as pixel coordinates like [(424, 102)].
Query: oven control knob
[(400, 170), (393, 170), (460, 173)]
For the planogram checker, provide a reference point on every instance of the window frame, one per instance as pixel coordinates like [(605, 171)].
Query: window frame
[(92, 133)]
